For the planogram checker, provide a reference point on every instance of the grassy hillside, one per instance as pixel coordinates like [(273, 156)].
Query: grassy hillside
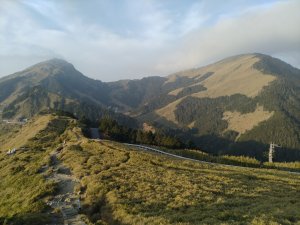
[(236, 106), (24, 133), (23, 187), (122, 185)]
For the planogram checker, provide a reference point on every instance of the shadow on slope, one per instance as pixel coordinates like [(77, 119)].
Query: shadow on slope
[(221, 146)]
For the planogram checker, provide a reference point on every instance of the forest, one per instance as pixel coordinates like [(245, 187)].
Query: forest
[(112, 129)]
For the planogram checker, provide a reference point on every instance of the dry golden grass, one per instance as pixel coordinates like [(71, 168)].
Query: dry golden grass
[(24, 188), (176, 91), (28, 131), (147, 127), (126, 186), (235, 77), (244, 122), (123, 185), (192, 124), (168, 111), (232, 76)]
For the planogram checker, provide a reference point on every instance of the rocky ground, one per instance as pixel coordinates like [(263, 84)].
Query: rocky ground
[(66, 200)]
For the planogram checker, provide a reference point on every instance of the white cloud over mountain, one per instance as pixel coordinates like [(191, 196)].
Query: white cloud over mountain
[(111, 40)]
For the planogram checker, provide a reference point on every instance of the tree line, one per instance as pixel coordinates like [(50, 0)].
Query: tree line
[(110, 128)]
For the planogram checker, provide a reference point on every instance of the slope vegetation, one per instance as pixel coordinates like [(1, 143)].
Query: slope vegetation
[(231, 76), (56, 85), (235, 106), (126, 186), (26, 132), (117, 184), (23, 188), (236, 75), (241, 123)]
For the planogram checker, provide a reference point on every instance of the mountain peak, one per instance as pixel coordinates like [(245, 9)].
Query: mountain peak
[(49, 68), (53, 63), (57, 61)]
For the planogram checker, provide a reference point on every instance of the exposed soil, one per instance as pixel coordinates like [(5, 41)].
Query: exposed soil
[(242, 123), (66, 200)]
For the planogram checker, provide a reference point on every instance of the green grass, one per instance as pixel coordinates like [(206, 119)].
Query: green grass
[(292, 166), (244, 161), (6, 130), (125, 186), (121, 185), (23, 189)]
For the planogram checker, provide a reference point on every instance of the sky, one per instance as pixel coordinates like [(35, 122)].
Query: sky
[(129, 39)]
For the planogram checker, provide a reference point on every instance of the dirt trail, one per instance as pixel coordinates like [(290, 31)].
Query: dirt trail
[(65, 200)]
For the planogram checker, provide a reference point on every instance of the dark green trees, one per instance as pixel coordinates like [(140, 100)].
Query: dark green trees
[(110, 128)]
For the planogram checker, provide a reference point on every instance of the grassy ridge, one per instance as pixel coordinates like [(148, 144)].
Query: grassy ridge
[(23, 188), (124, 186), (120, 185)]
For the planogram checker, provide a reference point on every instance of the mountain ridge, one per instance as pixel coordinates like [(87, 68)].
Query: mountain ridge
[(210, 105)]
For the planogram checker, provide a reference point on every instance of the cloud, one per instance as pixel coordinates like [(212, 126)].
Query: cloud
[(272, 30), (131, 39)]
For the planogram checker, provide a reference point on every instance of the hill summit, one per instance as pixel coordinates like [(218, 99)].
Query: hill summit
[(52, 84)]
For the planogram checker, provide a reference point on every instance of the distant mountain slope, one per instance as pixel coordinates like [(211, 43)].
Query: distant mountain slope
[(54, 84), (235, 75), (235, 106), (231, 76)]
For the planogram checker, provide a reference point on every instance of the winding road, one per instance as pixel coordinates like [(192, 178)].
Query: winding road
[(143, 147)]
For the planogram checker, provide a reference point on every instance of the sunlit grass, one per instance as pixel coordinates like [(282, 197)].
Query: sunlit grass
[(23, 188), (125, 186), (244, 161), (122, 185)]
